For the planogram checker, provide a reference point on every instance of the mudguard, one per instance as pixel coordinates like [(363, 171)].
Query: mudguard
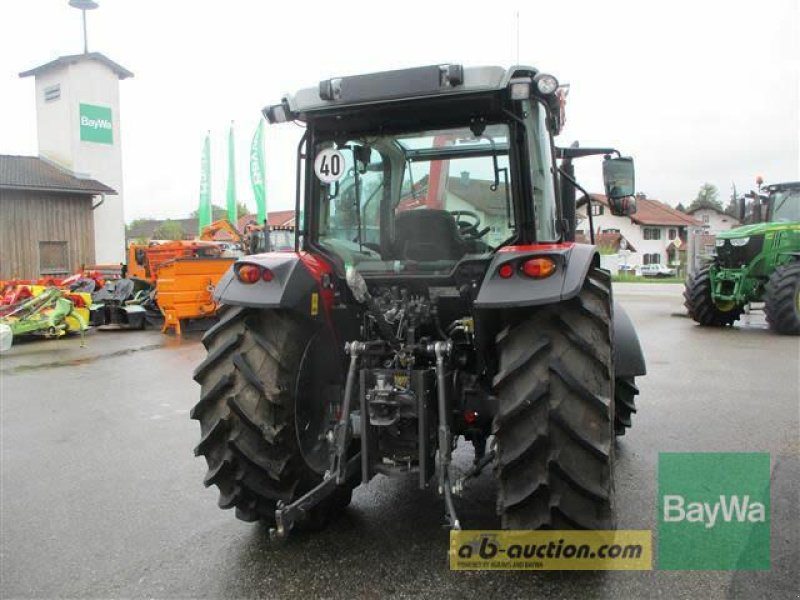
[(628, 355), (295, 284), (572, 264)]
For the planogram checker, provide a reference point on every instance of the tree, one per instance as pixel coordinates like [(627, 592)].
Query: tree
[(707, 197), (219, 212), (168, 230), (680, 207), (732, 210)]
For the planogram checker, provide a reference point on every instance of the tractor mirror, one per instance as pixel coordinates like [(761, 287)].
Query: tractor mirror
[(620, 183)]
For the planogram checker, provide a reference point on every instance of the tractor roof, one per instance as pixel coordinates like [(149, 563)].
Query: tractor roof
[(339, 94), (779, 187)]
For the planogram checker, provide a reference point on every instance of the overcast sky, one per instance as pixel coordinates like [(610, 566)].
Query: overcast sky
[(697, 91)]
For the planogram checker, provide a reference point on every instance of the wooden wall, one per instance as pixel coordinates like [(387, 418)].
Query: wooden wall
[(28, 217)]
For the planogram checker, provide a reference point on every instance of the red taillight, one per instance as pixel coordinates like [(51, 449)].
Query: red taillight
[(539, 268), (470, 416), (505, 271), (266, 274), (248, 273)]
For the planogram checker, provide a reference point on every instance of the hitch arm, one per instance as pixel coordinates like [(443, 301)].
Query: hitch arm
[(286, 516), (341, 432), (441, 351)]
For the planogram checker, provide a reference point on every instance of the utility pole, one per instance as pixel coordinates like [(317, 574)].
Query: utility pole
[(83, 6)]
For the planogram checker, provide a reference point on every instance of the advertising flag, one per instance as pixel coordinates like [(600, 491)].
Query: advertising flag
[(204, 210), (231, 195), (257, 172)]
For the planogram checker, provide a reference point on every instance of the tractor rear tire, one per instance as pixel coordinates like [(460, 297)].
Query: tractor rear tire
[(782, 299), (554, 430), (700, 305), (250, 383)]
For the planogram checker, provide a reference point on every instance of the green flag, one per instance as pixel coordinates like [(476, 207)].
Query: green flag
[(257, 172), (231, 196), (204, 210)]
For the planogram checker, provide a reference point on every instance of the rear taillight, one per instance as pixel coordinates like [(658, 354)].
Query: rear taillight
[(539, 268), (505, 271), (266, 274), (248, 273)]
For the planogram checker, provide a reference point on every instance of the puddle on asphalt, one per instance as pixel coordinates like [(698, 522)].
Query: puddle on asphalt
[(79, 361)]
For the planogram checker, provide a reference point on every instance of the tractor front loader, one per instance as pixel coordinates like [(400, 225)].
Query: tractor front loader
[(435, 292)]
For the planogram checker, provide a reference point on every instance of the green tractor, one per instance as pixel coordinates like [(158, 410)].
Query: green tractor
[(758, 262)]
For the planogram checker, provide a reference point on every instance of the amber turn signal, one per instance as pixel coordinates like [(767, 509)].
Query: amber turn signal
[(539, 267), (248, 273)]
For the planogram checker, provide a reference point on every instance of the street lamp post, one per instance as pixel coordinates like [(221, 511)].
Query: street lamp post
[(83, 6)]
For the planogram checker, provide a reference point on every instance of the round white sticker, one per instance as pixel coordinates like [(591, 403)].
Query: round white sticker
[(329, 165)]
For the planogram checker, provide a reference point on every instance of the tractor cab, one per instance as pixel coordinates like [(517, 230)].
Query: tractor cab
[(419, 171), (783, 203)]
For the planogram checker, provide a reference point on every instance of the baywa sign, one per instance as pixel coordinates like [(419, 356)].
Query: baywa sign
[(714, 511), (96, 124)]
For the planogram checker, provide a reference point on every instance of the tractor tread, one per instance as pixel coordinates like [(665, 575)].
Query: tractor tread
[(782, 299), (245, 412), (700, 305), (625, 393), (217, 355), (225, 314), (553, 429), (219, 388)]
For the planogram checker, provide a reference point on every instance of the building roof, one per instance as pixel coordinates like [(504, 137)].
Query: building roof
[(72, 59), (713, 209), (653, 212), (612, 240), (36, 174), (276, 218)]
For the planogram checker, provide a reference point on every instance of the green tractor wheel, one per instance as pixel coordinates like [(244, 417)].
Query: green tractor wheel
[(701, 306), (782, 300)]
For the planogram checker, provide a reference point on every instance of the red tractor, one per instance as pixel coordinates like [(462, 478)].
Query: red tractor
[(435, 292)]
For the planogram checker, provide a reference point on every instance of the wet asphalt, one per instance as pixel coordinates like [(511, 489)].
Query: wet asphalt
[(101, 495)]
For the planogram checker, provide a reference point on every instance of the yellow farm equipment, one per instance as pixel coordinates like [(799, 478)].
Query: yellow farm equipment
[(185, 286)]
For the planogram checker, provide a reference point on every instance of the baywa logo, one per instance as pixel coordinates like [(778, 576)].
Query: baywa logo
[(729, 508), (96, 124), (714, 511)]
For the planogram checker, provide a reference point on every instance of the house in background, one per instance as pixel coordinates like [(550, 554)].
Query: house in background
[(276, 218), (655, 234), (713, 221), (47, 224)]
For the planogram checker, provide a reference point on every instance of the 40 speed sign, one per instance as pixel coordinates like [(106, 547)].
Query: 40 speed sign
[(329, 165)]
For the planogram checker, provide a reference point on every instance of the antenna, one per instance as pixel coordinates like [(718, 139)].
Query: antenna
[(83, 6), (517, 20)]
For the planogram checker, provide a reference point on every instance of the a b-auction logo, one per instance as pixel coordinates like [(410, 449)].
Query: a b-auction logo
[(714, 511)]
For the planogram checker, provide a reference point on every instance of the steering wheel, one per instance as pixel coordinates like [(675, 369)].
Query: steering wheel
[(468, 227)]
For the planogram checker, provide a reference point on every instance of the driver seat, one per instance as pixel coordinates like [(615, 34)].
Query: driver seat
[(427, 234)]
